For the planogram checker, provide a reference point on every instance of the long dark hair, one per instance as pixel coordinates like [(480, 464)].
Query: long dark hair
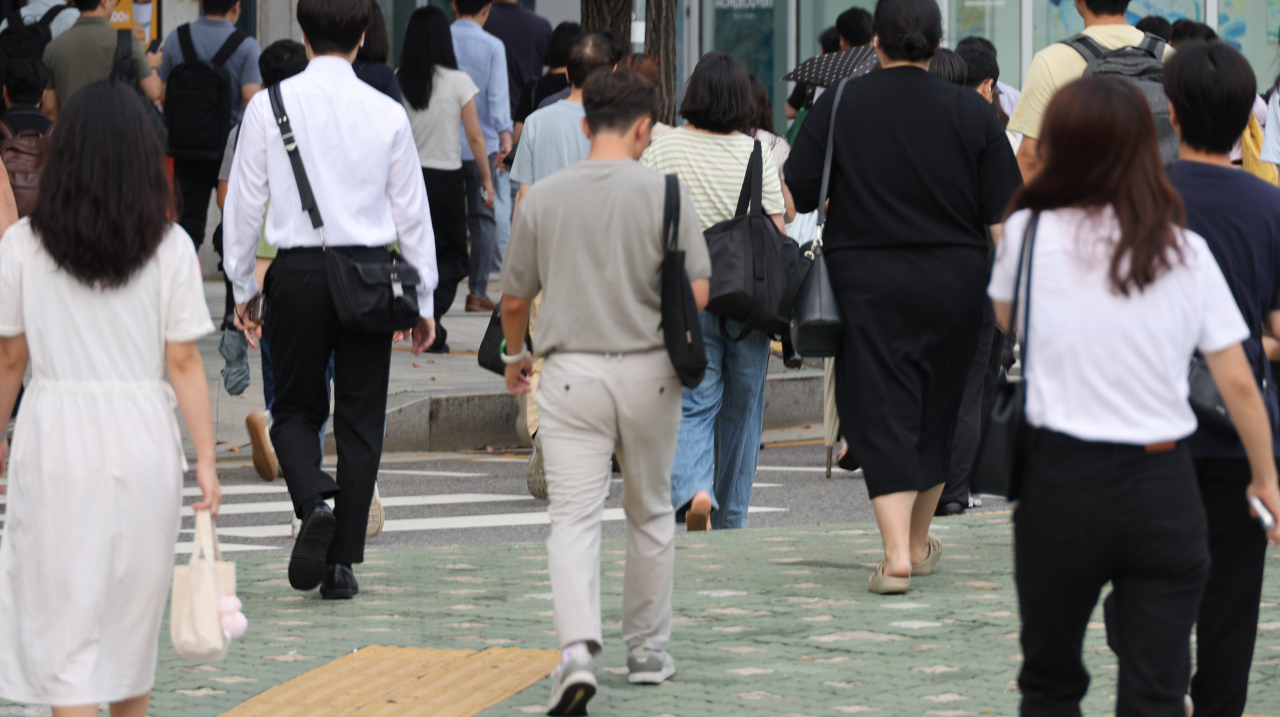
[(377, 46), (105, 201), (761, 108), (1098, 147), (428, 44)]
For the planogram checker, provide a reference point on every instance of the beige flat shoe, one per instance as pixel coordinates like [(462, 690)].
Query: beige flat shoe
[(887, 584), (698, 517), (926, 566)]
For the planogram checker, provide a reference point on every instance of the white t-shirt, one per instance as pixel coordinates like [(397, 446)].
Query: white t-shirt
[(437, 130), (1102, 366), (775, 145)]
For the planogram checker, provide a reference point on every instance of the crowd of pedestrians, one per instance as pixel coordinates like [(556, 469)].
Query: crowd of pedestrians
[(1134, 222)]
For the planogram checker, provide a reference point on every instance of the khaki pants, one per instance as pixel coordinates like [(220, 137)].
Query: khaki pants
[(529, 406), (594, 405)]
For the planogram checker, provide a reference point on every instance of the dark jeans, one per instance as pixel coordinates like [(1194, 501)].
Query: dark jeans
[(305, 332), (1093, 513), (1228, 623), (979, 393), (482, 225), (447, 196), (196, 181)]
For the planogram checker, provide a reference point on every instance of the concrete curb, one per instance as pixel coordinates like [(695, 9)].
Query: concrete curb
[(477, 421)]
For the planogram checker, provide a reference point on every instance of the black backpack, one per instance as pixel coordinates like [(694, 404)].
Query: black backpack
[(125, 71), (200, 100), (22, 41)]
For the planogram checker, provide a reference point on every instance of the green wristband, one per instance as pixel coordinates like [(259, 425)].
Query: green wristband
[(502, 347)]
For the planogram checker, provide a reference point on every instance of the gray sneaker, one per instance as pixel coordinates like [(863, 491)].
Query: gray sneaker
[(649, 667), (537, 476), (572, 684)]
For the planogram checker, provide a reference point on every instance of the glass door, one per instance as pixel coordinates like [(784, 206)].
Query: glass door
[(754, 32)]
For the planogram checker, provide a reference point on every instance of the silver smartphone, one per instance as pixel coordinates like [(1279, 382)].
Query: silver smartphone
[(1265, 517)]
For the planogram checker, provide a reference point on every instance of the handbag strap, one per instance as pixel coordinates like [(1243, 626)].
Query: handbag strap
[(205, 542), (752, 193), (295, 159), (1025, 255), (826, 162), (671, 215)]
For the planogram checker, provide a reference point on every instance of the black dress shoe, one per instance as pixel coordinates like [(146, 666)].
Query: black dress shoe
[(440, 345), (949, 509), (339, 583), (310, 552)]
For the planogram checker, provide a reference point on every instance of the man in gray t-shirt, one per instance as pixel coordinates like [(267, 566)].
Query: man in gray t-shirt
[(590, 239)]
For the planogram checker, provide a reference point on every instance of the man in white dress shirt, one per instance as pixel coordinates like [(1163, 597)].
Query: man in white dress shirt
[(362, 164)]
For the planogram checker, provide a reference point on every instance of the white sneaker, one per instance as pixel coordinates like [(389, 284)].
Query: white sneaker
[(377, 516), (573, 684), (975, 501), (1191, 708), (649, 667), (297, 525)]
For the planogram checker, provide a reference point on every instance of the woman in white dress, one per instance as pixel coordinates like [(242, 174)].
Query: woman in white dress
[(103, 293)]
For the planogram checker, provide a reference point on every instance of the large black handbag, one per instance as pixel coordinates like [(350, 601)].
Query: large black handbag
[(1007, 438), (681, 328), (817, 327), (1206, 401), (751, 262), (379, 296)]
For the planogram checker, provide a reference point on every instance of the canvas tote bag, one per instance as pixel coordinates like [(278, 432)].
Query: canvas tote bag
[(195, 623)]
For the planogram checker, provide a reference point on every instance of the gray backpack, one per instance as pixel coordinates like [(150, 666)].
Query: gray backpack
[(1142, 65)]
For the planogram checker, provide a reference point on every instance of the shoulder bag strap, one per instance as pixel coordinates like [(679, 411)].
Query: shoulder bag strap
[(187, 45), (295, 159), (228, 48), (826, 162), (752, 183), (671, 215), (1025, 255)]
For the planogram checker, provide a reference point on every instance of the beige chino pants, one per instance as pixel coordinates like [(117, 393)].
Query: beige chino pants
[(593, 405)]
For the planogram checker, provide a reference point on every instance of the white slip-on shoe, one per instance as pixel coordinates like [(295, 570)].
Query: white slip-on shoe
[(649, 667), (264, 454), (573, 684), (536, 477), (377, 516)]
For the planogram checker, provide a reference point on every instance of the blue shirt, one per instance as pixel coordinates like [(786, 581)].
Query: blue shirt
[(483, 57), (1239, 217)]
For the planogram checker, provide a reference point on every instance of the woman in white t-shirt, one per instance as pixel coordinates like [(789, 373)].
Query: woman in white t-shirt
[(1121, 298), (440, 101)]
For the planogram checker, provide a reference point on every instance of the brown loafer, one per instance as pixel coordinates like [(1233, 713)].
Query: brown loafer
[(264, 454), (477, 303), (698, 517), (927, 565), (887, 584)]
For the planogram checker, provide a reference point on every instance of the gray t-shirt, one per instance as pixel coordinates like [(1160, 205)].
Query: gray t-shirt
[(552, 139), (208, 36), (590, 239)]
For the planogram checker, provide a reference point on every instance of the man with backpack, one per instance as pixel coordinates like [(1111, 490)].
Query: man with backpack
[(1126, 51), (25, 33), (25, 131), (87, 52), (209, 73)]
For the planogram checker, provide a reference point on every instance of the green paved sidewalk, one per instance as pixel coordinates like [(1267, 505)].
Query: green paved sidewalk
[(768, 622)]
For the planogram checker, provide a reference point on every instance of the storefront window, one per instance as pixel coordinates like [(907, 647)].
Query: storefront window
[(818, 15), (754, 32), (1057, 19), (1250, 26), (999, 21)]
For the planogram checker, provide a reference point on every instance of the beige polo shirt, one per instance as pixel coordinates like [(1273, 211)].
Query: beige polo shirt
[(1058, 65)]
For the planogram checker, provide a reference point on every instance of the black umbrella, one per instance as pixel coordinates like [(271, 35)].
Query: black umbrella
[(827, 70)]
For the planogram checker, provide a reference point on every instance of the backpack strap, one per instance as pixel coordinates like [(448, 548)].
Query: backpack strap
[(1086, 46), (187, 45), (1152, 45), (15, 21), (124, 53), (47, 19), (228, 48), (48, 132), (6, 132)]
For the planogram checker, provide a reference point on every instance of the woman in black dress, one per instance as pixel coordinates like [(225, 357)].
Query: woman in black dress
[(921, 169)]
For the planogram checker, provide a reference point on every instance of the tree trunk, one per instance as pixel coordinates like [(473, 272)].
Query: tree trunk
[(611, 15), (660, 44)]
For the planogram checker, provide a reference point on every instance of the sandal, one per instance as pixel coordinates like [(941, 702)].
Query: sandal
[(927, 565), (698, 517), (887, 584)]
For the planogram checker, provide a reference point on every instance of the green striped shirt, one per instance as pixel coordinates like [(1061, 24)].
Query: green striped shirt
[(712, 167)]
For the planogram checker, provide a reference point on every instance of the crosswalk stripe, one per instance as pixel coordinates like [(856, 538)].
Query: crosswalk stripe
[(499, 520), (186, 548), (284, 506), (441, 474), (801, 469)]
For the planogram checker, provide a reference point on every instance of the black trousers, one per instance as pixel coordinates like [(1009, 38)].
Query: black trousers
[(1092, 513), (304, 330), (196, 181), (1228, 623), (979, 393), (447, 197)]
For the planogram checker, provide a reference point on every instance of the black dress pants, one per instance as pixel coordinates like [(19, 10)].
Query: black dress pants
[(1093, 513), (1228, 622), (304, 329), (196, 182), (447, 197), (979, 393)]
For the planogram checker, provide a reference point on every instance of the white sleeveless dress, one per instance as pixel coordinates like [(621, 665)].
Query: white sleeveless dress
[(95, 473)]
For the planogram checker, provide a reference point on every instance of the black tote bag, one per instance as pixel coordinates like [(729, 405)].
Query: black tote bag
[(1005, 442), (681, 328), (817, 327)]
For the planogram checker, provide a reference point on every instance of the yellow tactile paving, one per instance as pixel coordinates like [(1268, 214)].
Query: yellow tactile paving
[(382, 681)]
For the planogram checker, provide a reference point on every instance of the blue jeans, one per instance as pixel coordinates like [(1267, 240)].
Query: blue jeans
[(719, 445), (502, 208), (482, 226)]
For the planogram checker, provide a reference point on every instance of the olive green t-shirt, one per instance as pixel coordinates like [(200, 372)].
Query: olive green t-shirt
[(86, 53), (589, 237)]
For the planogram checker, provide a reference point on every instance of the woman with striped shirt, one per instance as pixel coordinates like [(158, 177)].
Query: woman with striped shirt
[(723, 417)]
